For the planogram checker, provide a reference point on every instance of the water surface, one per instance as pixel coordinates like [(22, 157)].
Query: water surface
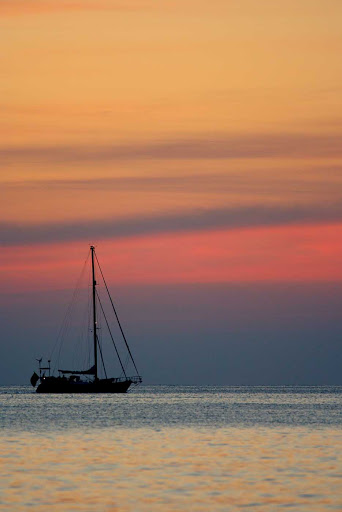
[(172, 448)]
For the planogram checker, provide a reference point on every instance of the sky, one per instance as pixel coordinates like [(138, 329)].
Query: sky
[(197, 145)]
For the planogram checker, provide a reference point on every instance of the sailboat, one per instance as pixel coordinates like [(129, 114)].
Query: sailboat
[(89, 380)]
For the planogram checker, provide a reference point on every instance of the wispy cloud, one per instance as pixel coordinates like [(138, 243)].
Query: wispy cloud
[(319, 182), (197, 220), (208, 146)]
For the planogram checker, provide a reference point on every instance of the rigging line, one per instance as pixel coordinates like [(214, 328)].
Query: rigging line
[(68, 313), (126, 361), (66, 327), (110, 333), (98, 343), (116, 315), (80, 335)]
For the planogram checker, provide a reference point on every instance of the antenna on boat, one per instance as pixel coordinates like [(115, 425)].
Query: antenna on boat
[(40, 362), (44, 367)]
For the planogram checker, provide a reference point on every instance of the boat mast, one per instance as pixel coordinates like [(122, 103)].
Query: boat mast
[(92, 248)]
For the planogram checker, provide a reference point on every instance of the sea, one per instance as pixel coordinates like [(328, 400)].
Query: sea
[(172, 448)]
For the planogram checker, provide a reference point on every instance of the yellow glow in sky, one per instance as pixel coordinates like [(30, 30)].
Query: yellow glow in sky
[(109, 71), (134, 111)]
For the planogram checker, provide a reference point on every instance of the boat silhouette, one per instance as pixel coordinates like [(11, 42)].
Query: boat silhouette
[(88, 380)]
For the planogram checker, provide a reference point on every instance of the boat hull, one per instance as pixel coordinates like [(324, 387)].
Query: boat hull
[(64, 386)]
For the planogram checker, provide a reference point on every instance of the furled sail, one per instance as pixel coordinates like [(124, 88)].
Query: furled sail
[(91, 371)]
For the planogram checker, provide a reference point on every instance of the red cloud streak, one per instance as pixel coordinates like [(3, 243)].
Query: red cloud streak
[(287, 253)]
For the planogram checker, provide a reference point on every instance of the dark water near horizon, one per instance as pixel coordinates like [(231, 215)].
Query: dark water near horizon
[(172, 447)]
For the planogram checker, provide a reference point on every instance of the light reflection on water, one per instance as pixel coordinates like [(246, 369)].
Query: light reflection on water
[(172, 448)]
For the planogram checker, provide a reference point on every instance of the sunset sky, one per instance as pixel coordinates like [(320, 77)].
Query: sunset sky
[(198, 146)]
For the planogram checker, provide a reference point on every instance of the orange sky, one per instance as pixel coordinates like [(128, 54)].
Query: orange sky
[(140, 113)]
